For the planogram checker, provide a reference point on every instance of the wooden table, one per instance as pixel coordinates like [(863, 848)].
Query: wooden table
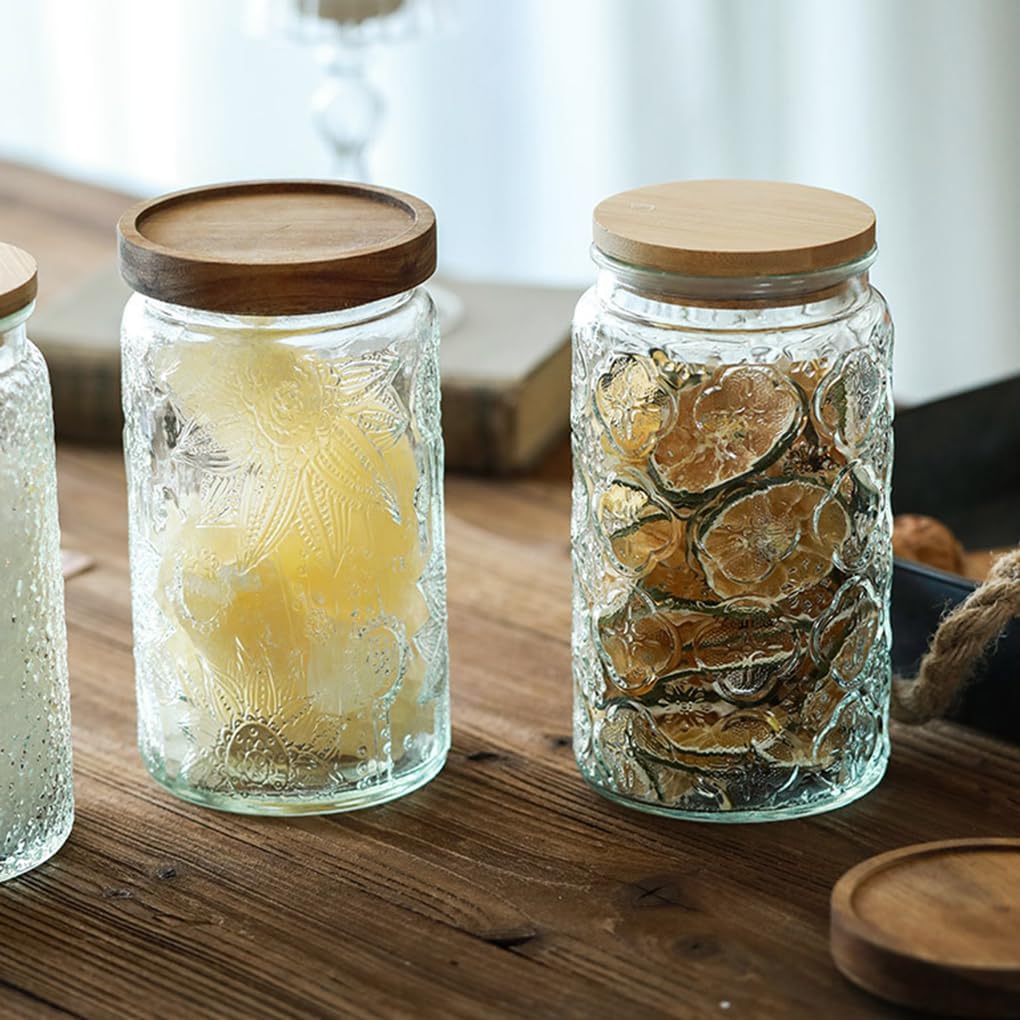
[(504, 888)]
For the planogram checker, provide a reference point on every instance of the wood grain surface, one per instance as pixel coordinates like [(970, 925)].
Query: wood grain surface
[(733, 228), (277, 247), (935, 926), (506, 888), (17, 279)]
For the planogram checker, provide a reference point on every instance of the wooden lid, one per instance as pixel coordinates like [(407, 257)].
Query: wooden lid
[(934, 926), (18, 281), (734, 228), (277, 247)]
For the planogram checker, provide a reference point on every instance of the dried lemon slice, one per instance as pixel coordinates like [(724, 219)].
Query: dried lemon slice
[(773, 541), (639, 530), (633, 405), (728, 424)]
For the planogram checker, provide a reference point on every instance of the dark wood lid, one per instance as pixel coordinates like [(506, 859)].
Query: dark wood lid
[(734, 228), (18, 279), (934, 926), (277, 247)]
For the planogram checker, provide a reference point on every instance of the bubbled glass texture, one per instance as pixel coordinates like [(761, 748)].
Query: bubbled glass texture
[(288, 573), (732, 555), (36, 796)]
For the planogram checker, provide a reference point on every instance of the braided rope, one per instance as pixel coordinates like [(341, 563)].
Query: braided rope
[(959, 644)]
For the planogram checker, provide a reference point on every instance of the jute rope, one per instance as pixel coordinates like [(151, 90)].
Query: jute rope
[(962, 639)]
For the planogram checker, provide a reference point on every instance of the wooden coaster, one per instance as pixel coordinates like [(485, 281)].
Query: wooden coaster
[(934, 926)]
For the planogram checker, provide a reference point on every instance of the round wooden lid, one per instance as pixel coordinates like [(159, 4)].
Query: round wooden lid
[(934, 926), (277, 247), (18, 279), (733, 228)]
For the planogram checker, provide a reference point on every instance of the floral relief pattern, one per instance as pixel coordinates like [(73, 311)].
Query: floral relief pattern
[(732, 566), (295, 647)]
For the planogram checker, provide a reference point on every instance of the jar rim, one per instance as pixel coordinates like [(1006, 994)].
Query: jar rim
[(738, 289), (291, 325), (16, 318)]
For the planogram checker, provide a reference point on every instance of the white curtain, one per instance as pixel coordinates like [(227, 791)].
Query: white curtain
[(516, 120)]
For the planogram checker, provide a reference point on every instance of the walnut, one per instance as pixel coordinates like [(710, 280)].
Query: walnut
[(927, 540)]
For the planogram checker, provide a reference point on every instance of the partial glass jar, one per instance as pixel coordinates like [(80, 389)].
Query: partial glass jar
[(285, 493), (732, 432), (36, 794)]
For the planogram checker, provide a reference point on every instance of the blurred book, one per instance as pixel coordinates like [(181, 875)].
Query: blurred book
[(505, 369)]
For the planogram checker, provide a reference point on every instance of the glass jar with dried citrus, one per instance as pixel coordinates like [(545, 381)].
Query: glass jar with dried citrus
[(732, 423)]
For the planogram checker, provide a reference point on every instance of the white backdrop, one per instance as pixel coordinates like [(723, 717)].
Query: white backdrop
[(514, 122)]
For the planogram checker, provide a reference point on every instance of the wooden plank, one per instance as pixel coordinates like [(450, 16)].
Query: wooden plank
[(505, 888)]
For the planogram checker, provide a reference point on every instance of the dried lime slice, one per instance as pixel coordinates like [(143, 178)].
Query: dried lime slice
[(845, 635), (639, 530), (860, 492), (772, 541), (638, 644), (729, 423), (633, 404), (614, 748), (846, 401), (746, 657), (808, 604), (678, 576), (807, 457), (710, 735)]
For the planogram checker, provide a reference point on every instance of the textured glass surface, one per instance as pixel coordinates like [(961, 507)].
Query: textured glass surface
[(732, 552), (288, 581), (36, 798)]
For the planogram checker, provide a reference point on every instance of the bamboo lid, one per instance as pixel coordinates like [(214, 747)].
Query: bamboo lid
[(277, 247), (18, 279), (934, 926), (733, 228)]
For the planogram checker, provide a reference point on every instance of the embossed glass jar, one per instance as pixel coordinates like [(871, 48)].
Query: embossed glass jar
[(732, 432), (284, 458), (36, 796)]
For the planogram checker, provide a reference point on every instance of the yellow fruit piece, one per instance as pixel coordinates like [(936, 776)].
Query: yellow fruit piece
[(291, 576), (727, 425), (773, 541)]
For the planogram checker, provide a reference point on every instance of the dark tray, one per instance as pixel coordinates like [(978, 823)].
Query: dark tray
[(958, 459)]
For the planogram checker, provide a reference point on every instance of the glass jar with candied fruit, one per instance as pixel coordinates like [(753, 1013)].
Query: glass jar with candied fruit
[(732, 429), (284, 466)]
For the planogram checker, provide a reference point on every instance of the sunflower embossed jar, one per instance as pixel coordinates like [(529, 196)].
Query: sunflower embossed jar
[(284, 457), (732, 434)]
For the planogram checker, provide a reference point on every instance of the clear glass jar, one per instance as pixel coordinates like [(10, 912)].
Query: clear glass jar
[(732, 539), (36, 794), (286, 520)]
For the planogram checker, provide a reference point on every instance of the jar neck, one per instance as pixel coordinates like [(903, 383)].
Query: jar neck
[(14, 337), (290, 325), (732, 303)]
